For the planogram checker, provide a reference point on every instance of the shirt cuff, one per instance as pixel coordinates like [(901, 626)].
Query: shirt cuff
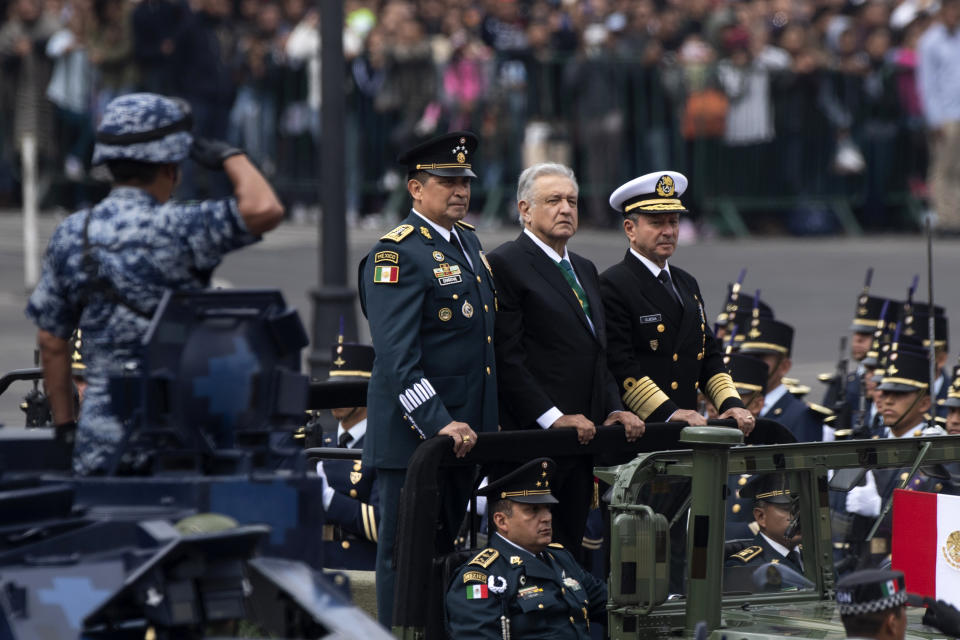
[(549, 416), (670, 417)]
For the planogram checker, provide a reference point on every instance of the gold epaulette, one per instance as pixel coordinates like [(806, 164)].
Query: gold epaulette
[(819, 408), (798, 390), (465, 225), (748, 554), (485, 558), (555, 545), (398, 234)]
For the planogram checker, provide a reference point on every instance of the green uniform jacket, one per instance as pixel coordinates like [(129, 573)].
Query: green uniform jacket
[(541, 599), (431, 319)]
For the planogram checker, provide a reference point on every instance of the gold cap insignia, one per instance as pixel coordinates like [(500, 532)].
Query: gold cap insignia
[(665, 186)]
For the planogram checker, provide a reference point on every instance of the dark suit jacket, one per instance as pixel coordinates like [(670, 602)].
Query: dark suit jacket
[(659, 356), (547, 354)]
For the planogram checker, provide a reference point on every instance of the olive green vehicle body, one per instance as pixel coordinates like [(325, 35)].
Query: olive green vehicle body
[(639, 610)]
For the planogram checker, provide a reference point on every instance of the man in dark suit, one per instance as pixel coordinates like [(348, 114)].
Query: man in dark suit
[(661, 350), (772, 341), (551, 336), (350, 499), (429, 297)]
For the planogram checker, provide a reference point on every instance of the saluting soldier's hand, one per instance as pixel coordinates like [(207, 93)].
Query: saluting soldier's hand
[(745, 419), (585, 429), (632, 424), (464, 438), (689, 416)]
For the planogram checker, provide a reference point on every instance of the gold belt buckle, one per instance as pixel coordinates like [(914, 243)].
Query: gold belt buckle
[(328, 533)]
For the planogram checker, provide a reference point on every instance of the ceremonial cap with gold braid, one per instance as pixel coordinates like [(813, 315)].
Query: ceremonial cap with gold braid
[(530, 483), (657, 192), (449, 155), (350, 361)]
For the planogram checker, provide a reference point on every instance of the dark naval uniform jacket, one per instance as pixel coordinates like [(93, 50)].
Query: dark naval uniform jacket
[(549, 598), (350, 529), (660, 356), (803, 421), (431, 319), (761, 552)]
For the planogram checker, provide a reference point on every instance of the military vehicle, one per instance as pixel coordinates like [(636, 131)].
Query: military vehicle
[(207, 522), (768, 602)]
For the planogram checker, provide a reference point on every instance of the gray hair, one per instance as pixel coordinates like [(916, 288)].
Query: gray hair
[(531, 173)]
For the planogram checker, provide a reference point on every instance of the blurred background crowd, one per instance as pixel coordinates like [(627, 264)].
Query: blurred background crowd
[(799, 111)]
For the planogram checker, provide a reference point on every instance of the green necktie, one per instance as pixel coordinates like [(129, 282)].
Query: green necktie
[(567, 270)]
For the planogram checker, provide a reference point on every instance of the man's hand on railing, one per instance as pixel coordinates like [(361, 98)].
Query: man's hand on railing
[(689, 416), (745, 420), (464, 438), (585, 429), (632, 425)]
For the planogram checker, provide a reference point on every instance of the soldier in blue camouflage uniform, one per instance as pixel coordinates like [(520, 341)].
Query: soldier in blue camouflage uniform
[(350, 499), (106, 268)]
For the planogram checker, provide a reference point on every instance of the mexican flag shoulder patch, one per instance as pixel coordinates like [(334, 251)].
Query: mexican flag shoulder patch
[(386, 274), (476, 591)]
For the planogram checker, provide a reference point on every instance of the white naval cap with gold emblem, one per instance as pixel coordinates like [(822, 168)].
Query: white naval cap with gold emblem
[(657, 192)]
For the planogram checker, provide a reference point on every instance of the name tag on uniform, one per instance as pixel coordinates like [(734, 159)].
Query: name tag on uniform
[(447, 274), (656, 317)]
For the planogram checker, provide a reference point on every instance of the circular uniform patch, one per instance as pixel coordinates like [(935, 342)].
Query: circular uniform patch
[(445, 314)]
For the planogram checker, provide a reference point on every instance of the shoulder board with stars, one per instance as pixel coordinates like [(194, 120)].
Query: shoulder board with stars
[(398, 234), (748, 554), (485, 558), (465, 225)]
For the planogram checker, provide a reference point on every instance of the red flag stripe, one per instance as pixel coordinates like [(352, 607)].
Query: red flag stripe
[(914, 543)]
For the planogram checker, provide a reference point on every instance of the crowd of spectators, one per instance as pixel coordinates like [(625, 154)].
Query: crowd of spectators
[(793, 102)]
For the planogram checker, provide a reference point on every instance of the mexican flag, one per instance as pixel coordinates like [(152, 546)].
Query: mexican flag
[(926, 543), (476, 591), (386, 274)]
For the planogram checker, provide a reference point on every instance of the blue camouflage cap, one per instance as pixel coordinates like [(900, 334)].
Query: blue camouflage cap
[(145, 127)]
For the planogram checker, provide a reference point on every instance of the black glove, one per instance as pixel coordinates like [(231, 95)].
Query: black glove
[(211, 153), (943, 617)]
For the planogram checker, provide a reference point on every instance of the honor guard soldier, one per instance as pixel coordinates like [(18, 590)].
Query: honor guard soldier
[(772, 342), (952, 404), (522, 585), (350, 500), (428, 293), (865, 322), (660, 349), (915, 320), (106, 268), (750, 377), (775, 510), (903, 400), (873, 604)]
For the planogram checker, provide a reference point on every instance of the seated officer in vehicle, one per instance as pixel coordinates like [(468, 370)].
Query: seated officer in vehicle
[(522, 586), (775, 509), (350, 497)]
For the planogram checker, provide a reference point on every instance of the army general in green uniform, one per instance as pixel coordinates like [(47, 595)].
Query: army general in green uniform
[(522, 586), (429, 296)]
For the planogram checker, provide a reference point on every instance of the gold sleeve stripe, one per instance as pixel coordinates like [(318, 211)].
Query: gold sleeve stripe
[(366, 521), (720, 388), (644, 397), (373, 523)]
